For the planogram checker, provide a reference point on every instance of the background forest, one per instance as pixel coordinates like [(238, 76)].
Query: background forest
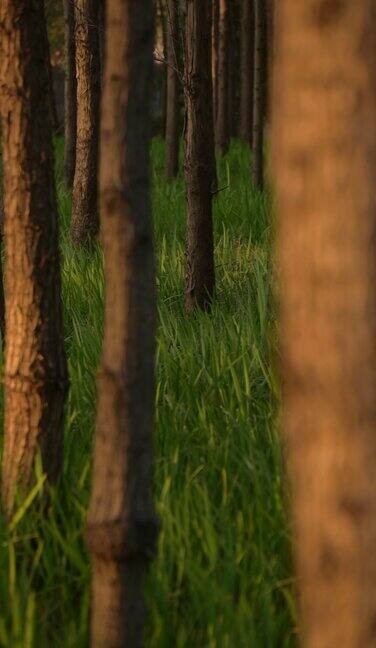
[(187, 219)]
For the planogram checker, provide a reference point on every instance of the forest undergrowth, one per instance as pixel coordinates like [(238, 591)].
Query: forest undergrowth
[(222, 576)]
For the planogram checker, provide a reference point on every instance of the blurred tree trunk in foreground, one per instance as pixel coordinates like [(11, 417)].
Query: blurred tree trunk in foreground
[(324, 163), (85, 219), (35, 375), (199, 157), (70, 95), (173, 86), (122, 527)]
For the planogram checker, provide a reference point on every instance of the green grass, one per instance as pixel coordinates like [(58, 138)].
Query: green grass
[(222, 577)]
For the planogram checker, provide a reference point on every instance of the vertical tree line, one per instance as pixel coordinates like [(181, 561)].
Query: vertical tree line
[(85, 218), (122, 528), (325, 157), (35, 375), (199, 157)]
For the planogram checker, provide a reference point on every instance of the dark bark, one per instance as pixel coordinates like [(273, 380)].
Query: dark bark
[(222, 125), (35, 376), (215, 45), (246, 68), (324, 140), (199, 157), (56, 127), (70, 95), (173, 87), (122, 528), (85, 220), (260, 92)]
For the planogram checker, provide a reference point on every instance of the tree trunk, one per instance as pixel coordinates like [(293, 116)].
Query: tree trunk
[(259, 94), (246, 71), (222, 125), (325, 160), (35, 377), (172, 101), (215, 44), (56, 129), (85, 223), (199, 157), (70, 95), (122, 527)]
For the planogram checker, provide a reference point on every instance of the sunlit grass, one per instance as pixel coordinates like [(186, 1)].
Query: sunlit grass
[(222, 574)]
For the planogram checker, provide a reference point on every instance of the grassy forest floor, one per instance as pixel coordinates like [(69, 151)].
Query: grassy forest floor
[(222, 577)]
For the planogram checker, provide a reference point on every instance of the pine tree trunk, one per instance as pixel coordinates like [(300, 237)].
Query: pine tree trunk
[(199, 157), (51, 92), (259, 94), (35, 376), (222, 125), (121, 531), (246, 71), (70, 95), (172, 101), (215, 44), (85, 223), (325, 160)]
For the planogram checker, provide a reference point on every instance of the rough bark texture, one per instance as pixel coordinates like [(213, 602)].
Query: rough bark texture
[(70, 95), (222, 123), (259, 94), (325, 160), (247, 34), (122, 527), (173, 84), (35, 378), (85, 223), (215, 42), (199, 156)]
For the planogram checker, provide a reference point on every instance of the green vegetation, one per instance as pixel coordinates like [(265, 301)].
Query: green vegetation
[(222, 577)]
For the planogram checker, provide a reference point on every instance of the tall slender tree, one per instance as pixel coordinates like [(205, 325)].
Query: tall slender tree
[(215, 45), (121, 526), (199, 156), (35, 377), (259, 92), (173, 86), (70, 92), (85, 220), (222, 123), (325, 159), (247, 32)]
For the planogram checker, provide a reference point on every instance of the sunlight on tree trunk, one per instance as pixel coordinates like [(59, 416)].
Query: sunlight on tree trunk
[(35, 377), (85, 220), (324, 163), (121, 531)]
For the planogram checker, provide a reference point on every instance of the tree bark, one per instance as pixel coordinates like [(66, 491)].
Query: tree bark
[(85, 223), (199, 157), (215, 44), (35, 376), (222, 125), (121, 531), (325, 160), (70, 95), (247, 35), (172, 101), (259, 94)]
